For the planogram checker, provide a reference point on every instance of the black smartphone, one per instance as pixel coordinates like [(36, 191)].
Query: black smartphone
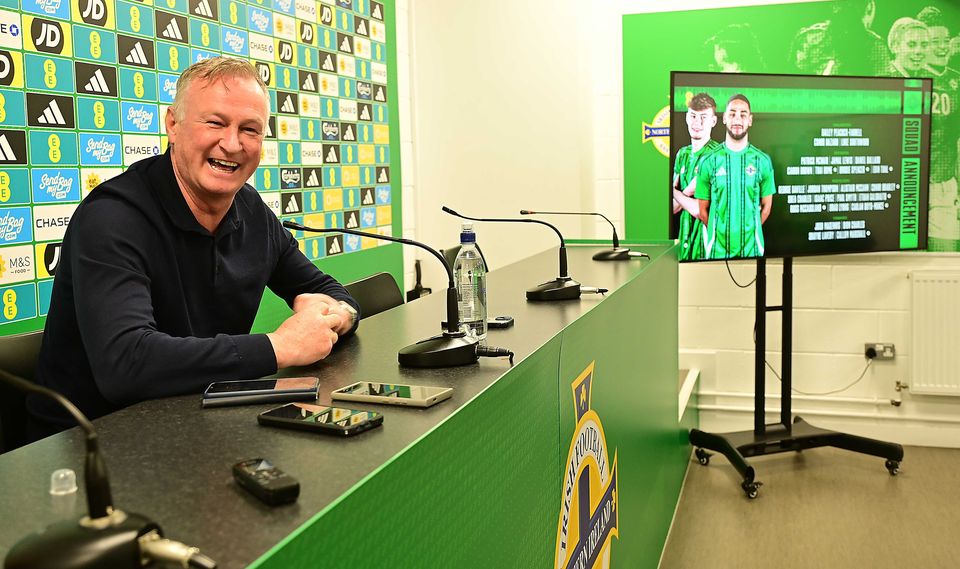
[(223, 393), (500, 322), (330, 420)]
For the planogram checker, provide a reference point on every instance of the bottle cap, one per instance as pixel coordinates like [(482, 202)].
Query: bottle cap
[(467, 235), (63, 481)]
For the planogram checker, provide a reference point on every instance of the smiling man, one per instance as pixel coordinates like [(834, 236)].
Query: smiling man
[(735, 188), (165, 265)]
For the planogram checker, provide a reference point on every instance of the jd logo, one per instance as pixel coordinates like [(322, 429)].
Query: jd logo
[(6, 68), (93, 12), (264, 70), (47, 35), (285, 52), (306, 33)]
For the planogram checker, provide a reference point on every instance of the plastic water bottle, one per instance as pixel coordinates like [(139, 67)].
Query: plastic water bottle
[(471, 280)]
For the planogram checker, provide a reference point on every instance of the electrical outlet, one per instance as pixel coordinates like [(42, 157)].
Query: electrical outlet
[(879, 351)]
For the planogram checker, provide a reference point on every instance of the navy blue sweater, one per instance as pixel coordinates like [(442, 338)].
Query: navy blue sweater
[(147, 303)]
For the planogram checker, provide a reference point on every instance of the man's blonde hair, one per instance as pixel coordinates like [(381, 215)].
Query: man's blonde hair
[(213, 69)]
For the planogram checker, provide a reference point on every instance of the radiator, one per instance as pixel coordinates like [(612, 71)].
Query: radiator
[(936, 332)]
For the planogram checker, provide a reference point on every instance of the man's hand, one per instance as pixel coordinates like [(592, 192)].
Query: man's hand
[(332, 306), (306, 337)]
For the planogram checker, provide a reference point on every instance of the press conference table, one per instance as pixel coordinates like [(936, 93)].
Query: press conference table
[(475, 481)]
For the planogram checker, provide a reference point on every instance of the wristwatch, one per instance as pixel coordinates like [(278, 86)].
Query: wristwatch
[(351, 311)]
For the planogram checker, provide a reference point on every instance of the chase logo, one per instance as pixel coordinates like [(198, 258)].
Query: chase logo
[(10, 34), (96, 79), (94, 12), (50, 221), (590, 484), (137, 147), (139, 118), (235, 41), (13, 147), (261, 47), (50, 111), (100, 150), (259, 20), (55, 185), (15, 226), (55, 8), (48, 36)]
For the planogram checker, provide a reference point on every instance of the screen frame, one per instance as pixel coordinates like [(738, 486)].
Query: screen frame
[(924, 192)]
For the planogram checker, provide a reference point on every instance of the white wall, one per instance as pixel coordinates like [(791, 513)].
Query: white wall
[(519, 104)]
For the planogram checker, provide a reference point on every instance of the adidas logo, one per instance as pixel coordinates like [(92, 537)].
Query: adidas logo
[(345, 45), (382, 178), (6, 151), (97, 83), (137, 56), (380, 96), (334, 247), (331, 156), (721, 171), (312, 181), (308, 84), (376, 12), (365, 114), (288, 106), (172, 30), (203, 9), (348, 133), (352, 220), (362, 28), (367, 197), (52, 115), (292, 206), (328, 64)]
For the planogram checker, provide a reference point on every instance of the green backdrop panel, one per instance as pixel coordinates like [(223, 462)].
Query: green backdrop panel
[(808, 38)]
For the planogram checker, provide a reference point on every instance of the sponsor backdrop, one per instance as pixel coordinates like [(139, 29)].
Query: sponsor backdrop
[(841, 37), (84, 86)]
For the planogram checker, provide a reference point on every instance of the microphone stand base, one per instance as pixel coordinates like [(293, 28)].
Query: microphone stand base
[(446, 350), (617, 254), (75, 545), (561, 288)]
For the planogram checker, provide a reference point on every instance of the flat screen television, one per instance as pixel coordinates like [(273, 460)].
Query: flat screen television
[(794, 165)]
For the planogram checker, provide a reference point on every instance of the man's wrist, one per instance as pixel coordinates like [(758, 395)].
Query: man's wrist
[(352, 312)]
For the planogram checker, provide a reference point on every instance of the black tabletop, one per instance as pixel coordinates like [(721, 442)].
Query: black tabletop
[(170, 460)]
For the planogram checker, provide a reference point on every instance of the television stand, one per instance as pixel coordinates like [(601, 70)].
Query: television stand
[(791, 433)]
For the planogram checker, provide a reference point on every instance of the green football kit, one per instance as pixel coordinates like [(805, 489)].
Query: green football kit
[(734, 183), (684, 171)]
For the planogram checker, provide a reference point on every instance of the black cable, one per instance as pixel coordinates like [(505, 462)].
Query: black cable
[(856, 381), (493, 352), (729, 272)]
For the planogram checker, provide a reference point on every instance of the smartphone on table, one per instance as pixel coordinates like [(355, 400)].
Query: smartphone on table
[(392, 394), (223, 393), (320, 418)]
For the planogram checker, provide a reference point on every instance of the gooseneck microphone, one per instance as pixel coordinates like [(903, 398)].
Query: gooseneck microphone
[(617, 253), (106, 537), (561, 288), (452, 348)]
